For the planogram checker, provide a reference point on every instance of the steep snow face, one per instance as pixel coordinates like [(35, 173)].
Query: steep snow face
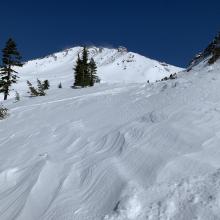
[(209, 55), (114, 65), (114, 151), (203, 65)]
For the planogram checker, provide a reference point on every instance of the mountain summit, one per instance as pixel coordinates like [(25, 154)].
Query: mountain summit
[(114, 65)]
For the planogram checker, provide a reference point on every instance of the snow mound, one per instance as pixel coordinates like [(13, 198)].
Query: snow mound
[(191, 198)]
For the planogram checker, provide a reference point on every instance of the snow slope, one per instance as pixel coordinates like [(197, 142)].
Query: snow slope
[(122, 151), (114, 65)]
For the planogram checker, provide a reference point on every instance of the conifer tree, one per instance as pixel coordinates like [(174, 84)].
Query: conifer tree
[(60, 86), (46, 84), (41, 88), (93, 70), (78, 72), (11, 58), (85, 68), (82, 72), (85, 71), (33, 91)]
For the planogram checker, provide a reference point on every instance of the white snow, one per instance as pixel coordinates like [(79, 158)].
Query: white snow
[(114, 65), (116, 151)]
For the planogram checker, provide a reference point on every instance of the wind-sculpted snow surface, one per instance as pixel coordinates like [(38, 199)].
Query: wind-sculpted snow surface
[(114, 152), (191, 198)]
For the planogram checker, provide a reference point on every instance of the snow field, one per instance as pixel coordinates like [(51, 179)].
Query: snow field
[(117, 151)]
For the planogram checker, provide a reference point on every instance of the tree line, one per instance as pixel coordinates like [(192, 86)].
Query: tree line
[(85, 73), (85, 70)]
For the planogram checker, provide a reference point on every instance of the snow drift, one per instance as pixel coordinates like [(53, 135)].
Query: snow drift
[(122, 151)]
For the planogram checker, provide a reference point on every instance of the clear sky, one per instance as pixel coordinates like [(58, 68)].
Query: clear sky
[(167, 30)]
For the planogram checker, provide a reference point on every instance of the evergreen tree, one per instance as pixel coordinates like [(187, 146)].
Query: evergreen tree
[(46, 84), (60, 86), (8, 75), (93, 70), (33, 91), (85, 68), (41, 88), (78, 72), (82, 70), (40, 91)]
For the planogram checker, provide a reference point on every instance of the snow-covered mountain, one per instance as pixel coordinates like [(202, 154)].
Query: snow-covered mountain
[(115, 151), (114, 65)]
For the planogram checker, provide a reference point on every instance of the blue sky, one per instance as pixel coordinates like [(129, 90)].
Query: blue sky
[(170, 31)]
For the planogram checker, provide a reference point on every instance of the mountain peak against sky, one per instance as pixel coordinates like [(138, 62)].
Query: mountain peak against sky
[(114, 65)]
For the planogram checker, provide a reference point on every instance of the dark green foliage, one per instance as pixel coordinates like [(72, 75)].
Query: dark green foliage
[(41, 88), (85, 68), (33, 91), (215, 56), (214, 49), (93, 70), (60, 86), (46, 84), (165, 78), (78, 72), (3, 112), (40, 91), (10, 59), (85, 71), (172, 76)]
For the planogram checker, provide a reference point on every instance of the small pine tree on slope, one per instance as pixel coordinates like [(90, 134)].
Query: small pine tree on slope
[(60, 85), (33, 91), (11, 58), (46, 84), (41, 88)]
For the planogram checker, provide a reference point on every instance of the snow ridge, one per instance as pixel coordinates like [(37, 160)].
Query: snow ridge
[(114, 65)]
